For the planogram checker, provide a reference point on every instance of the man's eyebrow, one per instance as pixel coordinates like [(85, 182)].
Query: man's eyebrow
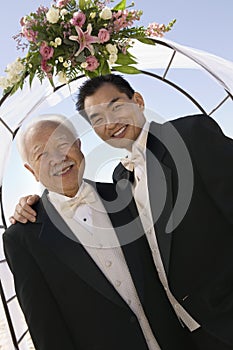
[(113, 101), (36, 148), (108, 105), (92, 116)]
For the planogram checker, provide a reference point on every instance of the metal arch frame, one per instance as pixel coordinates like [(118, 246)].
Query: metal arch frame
[(162, 43), (5, 302), (162, 78)]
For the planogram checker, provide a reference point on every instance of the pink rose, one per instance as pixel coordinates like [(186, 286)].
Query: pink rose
[(92, 63), (62, 3), (46, 51), (78, 19), (45, 67), (103, 35)]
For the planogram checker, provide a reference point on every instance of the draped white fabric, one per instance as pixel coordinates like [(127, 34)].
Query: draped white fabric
[(152, 57)]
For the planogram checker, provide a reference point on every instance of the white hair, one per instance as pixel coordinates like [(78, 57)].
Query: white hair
[(44, 118)]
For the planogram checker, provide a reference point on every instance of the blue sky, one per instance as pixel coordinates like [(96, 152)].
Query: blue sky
[(201, 24)]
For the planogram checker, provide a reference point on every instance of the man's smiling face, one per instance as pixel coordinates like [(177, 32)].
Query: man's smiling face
[(115, 117), (55, 158)]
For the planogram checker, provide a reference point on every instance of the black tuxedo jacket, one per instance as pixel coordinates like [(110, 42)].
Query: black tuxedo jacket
[(192, 206), (68, 302)]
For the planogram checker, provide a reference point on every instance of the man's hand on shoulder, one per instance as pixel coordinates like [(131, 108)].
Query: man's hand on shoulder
[(23, 211)]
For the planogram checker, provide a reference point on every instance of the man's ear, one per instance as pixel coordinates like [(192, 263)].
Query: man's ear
[(138, 99), (27, 166), (78, 143)]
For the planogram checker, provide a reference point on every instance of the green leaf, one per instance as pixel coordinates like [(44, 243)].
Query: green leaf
[(31, 77), (71, 5), (91, 74), (82, 4), (68, 42), (120, 6), (105, 68), (14, 88), (80, 58), (127, 69), (124, 60), (146, 41)]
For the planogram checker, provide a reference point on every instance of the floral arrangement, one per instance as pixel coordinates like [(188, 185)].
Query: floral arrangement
[(69, 39)]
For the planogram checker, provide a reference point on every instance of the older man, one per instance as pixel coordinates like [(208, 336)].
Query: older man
[(81, 283)]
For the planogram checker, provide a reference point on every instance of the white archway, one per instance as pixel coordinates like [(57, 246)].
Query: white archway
[(165, 56)]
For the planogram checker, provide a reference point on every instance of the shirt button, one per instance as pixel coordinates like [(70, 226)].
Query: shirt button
[(108, 263), (118, 283)]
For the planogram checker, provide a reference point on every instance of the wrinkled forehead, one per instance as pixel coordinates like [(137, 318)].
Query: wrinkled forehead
[(49, 130), (47, 134)]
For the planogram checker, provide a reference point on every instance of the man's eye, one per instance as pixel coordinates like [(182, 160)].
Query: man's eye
[(97, 121), (42, 155), (64, 145), (117, 107)]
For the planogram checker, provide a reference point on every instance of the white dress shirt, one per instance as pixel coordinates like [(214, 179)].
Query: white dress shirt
[(92, 226), (141, 196)]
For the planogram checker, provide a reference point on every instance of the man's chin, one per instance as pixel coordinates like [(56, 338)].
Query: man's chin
[(120, 143)]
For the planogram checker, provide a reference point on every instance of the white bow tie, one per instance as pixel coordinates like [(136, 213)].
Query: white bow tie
[(136, 158), (128, 163), (69, 207)]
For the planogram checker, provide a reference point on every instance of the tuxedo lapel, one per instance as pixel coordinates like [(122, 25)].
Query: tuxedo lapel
[(120, 172), (160, 191), (60, 239), (122, 211)]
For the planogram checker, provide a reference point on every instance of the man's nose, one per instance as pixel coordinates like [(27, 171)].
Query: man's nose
[(110, 126), (111, 121), (58, 156)]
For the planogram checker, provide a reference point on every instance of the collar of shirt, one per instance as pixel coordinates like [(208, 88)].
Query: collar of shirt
[(90, 222), (58, 199), (138, 155), (139, 146)]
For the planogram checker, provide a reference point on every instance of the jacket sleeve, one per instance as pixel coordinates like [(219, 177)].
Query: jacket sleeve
[(212, 154), (46, 325)]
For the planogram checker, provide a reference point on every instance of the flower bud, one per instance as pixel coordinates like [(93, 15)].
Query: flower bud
[(62, 77)]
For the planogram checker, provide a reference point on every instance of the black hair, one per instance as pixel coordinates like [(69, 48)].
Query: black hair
[(89, 87)]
